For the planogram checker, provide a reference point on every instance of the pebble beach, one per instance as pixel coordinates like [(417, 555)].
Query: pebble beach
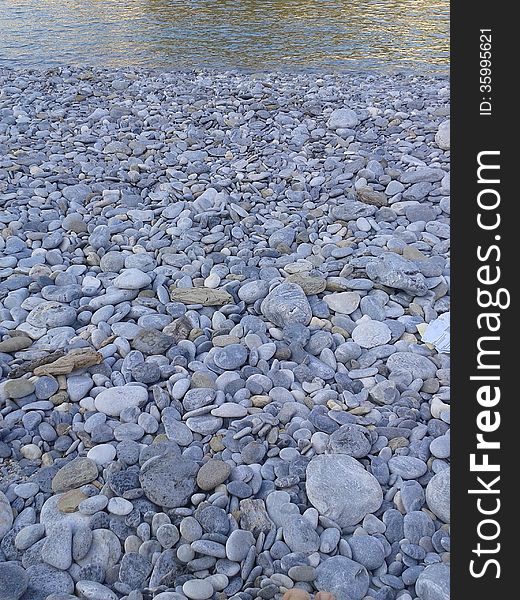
[(213, 291)]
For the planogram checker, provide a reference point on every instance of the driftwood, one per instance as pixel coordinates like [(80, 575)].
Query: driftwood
[(59, 363)]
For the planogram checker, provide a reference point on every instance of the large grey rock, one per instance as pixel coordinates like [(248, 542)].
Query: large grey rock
[(350, 439), (169, 481), (438, 495), (434, 583), (286, 304), (45, 580), (397, 272), (113, 400), (343, 118), (417, 365), (48, 315), (6, 515), (74, 474), (340, 488), (442, 137), (342, 577), (13, 581), (300, 536)]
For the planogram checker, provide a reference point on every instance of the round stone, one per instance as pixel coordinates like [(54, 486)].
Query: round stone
[(49, 315), (343, 303), (420, 367), (74, 474), (103, 454), (438, 495), (231, 357), (114, 400), (342, 577), (343, 118), (434, 583), (169, 481), (13, 581), (340, 488), (370, 333), (198, 589), (132, 279), (212, 473), (286, 304), (238, 545)]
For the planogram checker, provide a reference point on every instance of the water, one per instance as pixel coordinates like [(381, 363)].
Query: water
[(236, 34)]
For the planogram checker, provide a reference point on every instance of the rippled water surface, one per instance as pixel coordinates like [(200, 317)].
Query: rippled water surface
[(238, 34)]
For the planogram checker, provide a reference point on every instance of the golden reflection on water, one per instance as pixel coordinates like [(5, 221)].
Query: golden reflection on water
[(249, 34)]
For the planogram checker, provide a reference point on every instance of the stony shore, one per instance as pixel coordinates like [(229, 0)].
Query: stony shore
[(212, 293)]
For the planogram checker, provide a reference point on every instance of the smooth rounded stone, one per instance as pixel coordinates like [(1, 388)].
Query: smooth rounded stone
[(205, 424), (169, 481), (49, 315), (343, 303), (119, 506), (286, 304), (367, 551), (45, 580), (112, 262), (212, 473), (190, 529), (134, 570), (26, 490), (92, 505), (412, 496), (114, 400), (342, 118), (74, 474), (349, 439), (103, 454), (440, 446), (434, 583), (15, 343), (17, 388), (29, 535), (253, 290), (253, 453), (408, 467), (369, 333), (13, 581), (420, 367), (302, 573), (231, 357), (132, 279), (57, 549), (340, 488), (78, 387), (92, 590), (167, 535), (238, 545), (197, 589), (442, 137), (438, 495), (300, 536), (384, 392), (104, 551), (230, 410), (177, 431), (342, 577)]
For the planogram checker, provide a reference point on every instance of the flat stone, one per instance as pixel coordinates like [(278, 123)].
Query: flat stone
[(113, 400), (57, 549), (340, 488), (13, 581), (92, 590), (132, 279), (198, 589), (370, 333), (310, 285), (45, 580), (420, 367), (300, 536), (286, 304), (104, 551), (18, 388), (169, 481), (74, 474), (16, 343), (204, 296), (238, 545), (48, 315), (342, 577), (434, 583), (343, 118), (438, 495), (344, 303), (212, 473), (231, 357)]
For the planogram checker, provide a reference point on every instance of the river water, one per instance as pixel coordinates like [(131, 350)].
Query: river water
[(227, 34)]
